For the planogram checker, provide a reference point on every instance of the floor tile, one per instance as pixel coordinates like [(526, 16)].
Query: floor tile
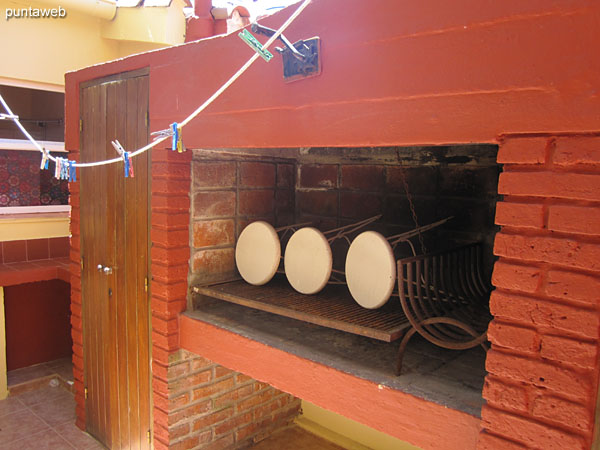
[(26, 374), (20, 425), (10, 405), (62, 362), (56, 412), (45, 440), (46, 394), (77, 438)]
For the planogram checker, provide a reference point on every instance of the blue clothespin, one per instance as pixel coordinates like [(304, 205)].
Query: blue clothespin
[(72, 171), (44, 163), (127, 165), (175, 136), (177, 143)]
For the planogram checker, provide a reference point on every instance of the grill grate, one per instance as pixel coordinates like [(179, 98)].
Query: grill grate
[(333, 307)]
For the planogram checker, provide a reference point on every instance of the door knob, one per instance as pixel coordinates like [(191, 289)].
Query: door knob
[(104, 269)]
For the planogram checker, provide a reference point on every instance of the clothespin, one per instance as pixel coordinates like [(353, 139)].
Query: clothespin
[(255, 45), (177, 142), (64, 167), (126, 159), (44, 163), (8, 117), (57, 169), (128, 165), (118, 147), (72, 171), (162, 133)]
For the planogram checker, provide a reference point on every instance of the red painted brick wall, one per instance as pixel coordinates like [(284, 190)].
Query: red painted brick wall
[(229, 192), (197, 402), (169, 254), (543, 364), (76, 307)]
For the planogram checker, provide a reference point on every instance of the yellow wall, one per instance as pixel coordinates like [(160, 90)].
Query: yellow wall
[(41, 50), (346, 432), (33, 226)]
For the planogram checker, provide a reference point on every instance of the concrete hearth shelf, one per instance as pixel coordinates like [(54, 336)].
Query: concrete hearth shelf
[(449, 378)]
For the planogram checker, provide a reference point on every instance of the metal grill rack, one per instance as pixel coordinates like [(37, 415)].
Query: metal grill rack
[(442, 297)]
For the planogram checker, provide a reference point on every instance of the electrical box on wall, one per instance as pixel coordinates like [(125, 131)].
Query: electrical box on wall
[(301, 59), (298, 68)]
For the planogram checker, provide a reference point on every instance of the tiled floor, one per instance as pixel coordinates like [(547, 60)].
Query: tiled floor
[(42, 416), (32, 377), (42, 419)]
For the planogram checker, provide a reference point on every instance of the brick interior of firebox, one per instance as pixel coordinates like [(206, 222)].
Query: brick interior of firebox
[(331, 187)]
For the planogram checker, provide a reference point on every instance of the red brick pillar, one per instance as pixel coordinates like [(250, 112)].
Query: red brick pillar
[(543, 365), (76, 308), (170, 253)]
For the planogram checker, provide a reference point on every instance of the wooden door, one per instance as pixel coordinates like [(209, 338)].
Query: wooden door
[(114, 249)]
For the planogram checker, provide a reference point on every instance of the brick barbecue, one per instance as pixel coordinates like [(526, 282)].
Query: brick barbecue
[(510, 76)]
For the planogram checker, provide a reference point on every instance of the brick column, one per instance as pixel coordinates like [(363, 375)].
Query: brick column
[(170, 253), (543, 365), (76, 305)]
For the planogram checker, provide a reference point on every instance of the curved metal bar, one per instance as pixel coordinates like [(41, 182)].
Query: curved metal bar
[(443, 298)]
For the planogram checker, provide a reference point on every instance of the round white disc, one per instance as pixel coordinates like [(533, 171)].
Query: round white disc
[(370, 270), (257, 253), (308, 260)]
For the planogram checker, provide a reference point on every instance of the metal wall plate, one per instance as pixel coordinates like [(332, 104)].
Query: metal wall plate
[(296, 69)]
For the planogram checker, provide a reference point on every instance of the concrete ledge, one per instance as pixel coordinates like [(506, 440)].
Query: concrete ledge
[(404, 416), (32, 271)]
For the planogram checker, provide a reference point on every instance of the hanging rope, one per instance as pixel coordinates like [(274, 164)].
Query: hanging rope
[(162, 135)]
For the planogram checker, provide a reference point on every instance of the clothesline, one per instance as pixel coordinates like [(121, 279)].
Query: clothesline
[(162, 134)]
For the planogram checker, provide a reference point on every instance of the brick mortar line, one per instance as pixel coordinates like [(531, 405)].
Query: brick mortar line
[(196, 386), (168, 227), (507, 230), (554, 168), (561, 427), (544, 331), (171, 264), (212, 427), (588, 373), (213, 247), (169, 195), (548, 266), (166, 247), (213, 410)]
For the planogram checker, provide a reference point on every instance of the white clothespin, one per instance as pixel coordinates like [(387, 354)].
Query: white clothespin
[(118, 147), (8, 117), (128, 167), (57, 169)]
